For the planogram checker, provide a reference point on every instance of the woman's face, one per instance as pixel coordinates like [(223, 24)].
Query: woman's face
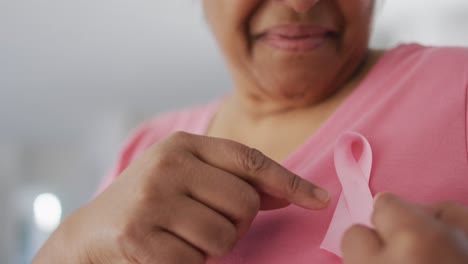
[(291, 49)]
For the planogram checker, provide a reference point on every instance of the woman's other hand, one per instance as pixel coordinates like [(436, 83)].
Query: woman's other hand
[(409, 234), (187, 199)]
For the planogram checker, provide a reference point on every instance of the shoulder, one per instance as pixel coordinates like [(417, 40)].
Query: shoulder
[(192, 120), (423, 70), (442, 61), (421, 51)]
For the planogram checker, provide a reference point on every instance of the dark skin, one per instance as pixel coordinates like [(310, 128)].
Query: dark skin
[(408, 233), (190, 198), (289, 92), (186, 200)]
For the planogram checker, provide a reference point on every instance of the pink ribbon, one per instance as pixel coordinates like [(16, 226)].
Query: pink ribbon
[(355, 204)]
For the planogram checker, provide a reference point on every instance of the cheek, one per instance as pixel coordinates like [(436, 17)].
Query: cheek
[(228, 20), (357, 15), (356, 7)]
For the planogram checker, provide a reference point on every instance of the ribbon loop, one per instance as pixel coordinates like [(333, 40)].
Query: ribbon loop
[(356, 201)]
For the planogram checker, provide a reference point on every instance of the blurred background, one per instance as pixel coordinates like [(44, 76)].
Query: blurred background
[(77, 76)]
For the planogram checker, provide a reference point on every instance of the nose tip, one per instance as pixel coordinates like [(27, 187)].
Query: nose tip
[(300, 6)]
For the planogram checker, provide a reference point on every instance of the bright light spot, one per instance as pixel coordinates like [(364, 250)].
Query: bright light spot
[(47, 212)]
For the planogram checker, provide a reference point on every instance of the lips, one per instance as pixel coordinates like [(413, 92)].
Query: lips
[(295, 37)]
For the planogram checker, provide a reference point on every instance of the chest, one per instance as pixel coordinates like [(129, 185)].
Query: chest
[(420, 162), (277, 139), (419, 147)]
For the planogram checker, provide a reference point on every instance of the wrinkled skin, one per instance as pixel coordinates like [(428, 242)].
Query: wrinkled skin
[(190, 198), (290, 79), (187, 199)]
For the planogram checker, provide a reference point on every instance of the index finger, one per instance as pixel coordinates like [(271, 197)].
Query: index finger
[(260, 171)]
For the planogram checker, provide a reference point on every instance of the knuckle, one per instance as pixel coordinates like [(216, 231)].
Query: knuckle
[(247, 206), (170, 142), (293, 185), (169, 160), (224, 240), (252, 160), (141, 245), (167, 156), (128, 241), (168, 249), (168, 255), (179, 136), (176, 258), (126, 235), (154, 201), (252, 204)]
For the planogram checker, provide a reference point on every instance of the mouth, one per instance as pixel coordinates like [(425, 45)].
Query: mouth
[(295, 38)]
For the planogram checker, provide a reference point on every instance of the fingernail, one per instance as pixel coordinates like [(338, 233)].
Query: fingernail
[(322, 195)]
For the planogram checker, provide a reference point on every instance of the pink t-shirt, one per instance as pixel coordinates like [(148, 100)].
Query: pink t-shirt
[(411, 108)]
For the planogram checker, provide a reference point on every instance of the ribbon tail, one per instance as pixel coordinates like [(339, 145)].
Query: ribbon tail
[(340, 222)]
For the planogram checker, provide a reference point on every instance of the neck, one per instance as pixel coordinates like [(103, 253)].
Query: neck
[(258, 107)]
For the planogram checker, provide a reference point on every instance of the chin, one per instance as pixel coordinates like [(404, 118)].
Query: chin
[(297, 87)]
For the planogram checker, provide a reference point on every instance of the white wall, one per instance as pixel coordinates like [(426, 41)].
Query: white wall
[(430, 22), (75, 76)]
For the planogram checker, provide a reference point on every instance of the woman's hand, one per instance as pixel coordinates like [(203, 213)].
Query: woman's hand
[(186, 199), (409, 234)]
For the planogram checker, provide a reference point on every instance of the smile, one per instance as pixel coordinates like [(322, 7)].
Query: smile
[(295, 38)]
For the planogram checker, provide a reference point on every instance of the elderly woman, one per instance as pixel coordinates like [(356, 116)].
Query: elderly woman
[(312, 104)]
